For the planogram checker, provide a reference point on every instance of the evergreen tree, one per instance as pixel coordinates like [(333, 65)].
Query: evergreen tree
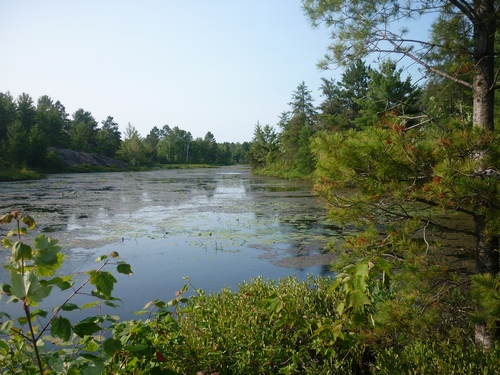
[(52, 120), (108, 138), (7, 113), (17, 144), (83, 131), (264, 147), (386, 94), (340, 107), (210, 149), (26, 112), (462, 172), (302, 114)]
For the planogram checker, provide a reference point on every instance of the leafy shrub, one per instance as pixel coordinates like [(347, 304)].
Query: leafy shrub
[(437, 358)]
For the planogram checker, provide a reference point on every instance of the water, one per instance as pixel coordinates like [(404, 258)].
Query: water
[(218, 226)]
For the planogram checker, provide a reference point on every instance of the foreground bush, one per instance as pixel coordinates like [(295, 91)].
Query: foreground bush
[(284, 327)]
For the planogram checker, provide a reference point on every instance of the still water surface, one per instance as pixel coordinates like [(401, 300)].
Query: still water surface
[(218, 226)]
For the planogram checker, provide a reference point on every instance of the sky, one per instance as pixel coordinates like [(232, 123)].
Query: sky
[(218, 66)]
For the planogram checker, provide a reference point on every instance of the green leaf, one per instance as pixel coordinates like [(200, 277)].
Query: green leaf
[(7, 218), (29, 287), (111, 304), (359, 283), (103, 281), (70, 307), (101, 257), (136, 347), (48, 261), (357, 301), (124, 268), (86, 327), (7, 243), (29, 221), (43, 242), (62, 283), (273, 303), (5, 289), (16, 232), (21, 251), (38, 312), (111, 346), (89, 355), (6, 326), (90, 304), (61, 327), (362, 269)]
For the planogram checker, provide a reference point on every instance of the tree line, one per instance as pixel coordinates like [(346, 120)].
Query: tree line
[(28, 129)]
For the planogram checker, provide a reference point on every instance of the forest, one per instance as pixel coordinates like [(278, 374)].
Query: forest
[(410, 166), (28, 129)]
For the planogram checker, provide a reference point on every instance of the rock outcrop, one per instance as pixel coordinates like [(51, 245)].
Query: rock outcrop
[(70, 158)]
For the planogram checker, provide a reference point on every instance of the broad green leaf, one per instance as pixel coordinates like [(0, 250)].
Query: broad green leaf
[(335, 283), (339, 309), (43, 242), (95, 368), (362, 269), (62, 283), (70, 307), (111, 346), (159, 304), (103, 281), (28, 286), (38, 312), (48, 261), (357, 301), (21, 251), (61, 327), (359, 283), (86, 327), (124, 268)]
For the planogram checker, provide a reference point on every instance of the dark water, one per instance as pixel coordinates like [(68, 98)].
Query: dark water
[(217, 226)]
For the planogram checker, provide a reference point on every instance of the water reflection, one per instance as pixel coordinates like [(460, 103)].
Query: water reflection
[(217, 226)]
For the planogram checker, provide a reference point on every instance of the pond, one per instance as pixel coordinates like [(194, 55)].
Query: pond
[(217, 226)]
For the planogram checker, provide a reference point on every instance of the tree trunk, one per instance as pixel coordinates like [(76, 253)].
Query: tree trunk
[(483, 116), (487, 259)]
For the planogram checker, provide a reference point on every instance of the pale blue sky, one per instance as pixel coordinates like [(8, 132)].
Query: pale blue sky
[(215, 65)]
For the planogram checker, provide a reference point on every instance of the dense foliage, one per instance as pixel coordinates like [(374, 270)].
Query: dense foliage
[(28, 129)]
